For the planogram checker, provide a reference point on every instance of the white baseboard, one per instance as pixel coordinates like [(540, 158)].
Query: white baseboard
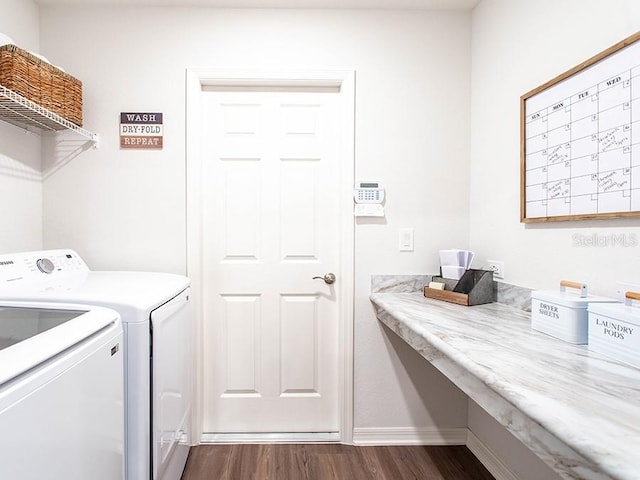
[(409, 436), (492, 463), (230, 438)]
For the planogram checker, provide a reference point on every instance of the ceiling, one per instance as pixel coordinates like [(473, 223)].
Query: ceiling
[(333, 4)]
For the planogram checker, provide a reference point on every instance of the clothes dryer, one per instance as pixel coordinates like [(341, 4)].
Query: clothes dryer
[(157, 317)]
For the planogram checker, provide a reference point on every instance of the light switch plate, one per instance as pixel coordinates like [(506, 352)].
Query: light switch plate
[(406, 240)]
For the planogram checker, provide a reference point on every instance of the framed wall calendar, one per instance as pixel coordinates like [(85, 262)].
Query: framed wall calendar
[(580, 140)]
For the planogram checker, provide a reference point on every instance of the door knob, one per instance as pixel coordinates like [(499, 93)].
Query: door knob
[(328, 278)]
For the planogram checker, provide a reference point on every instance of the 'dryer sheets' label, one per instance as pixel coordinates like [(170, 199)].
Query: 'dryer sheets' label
[(548, 310)]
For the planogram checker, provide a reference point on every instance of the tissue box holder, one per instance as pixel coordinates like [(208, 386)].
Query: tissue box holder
[(474, 288)]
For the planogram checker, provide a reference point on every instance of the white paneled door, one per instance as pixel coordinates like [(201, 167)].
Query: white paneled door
[(270, 224)]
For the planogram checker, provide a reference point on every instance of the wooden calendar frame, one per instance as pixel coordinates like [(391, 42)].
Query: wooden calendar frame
[(569, 180)]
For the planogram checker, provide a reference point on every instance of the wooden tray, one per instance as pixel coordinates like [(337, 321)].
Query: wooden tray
[(447, 296)]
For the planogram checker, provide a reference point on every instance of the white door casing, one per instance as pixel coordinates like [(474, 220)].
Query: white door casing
[(275, 351)]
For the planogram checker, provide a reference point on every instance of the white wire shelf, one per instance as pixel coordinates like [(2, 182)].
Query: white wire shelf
[(22, 112)]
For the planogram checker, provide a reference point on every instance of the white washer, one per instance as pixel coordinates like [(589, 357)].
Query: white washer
[(61, 392), (157, 318)]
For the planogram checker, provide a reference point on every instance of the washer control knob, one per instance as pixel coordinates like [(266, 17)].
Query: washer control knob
[(45, 265)]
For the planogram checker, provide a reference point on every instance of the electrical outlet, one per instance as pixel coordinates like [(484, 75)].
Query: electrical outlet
[(497, 267)]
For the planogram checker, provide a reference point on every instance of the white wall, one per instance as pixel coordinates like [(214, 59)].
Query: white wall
[(517, 46), (20, 179), (126, 209)]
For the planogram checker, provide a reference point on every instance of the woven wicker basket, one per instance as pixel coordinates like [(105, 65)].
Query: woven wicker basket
[(41, 82)]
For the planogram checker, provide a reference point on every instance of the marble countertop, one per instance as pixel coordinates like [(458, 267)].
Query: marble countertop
[(577, 410)]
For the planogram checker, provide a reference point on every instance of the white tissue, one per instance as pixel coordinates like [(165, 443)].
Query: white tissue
[(454, 273), (454, 262), (456, 258)]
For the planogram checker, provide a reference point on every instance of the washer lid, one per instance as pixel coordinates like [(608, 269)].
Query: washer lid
[(31, 334), (19, 324)]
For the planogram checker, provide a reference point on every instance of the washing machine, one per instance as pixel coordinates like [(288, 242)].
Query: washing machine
[(157, 318), (61, 392)]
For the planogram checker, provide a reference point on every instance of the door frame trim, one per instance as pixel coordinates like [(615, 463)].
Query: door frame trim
[(344, 80)]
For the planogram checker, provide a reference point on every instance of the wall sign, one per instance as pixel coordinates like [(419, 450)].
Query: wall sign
[(141, 130), (580, 140)]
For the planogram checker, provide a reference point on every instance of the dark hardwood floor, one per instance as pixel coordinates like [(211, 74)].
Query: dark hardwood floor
[(332, 462)]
